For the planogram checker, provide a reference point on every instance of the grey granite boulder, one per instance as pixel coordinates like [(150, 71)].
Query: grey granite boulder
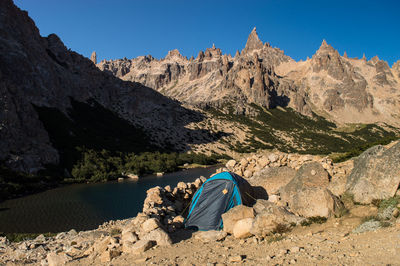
[(376, 174)]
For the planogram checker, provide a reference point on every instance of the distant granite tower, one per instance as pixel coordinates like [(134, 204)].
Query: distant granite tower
[(93, 57)]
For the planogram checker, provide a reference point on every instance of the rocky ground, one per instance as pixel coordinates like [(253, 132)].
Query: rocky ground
[(308, 211), (331, 243)]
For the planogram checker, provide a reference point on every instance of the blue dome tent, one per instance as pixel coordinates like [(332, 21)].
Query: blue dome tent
[(216, 196)]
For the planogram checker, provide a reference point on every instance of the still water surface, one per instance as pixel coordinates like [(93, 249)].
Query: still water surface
[(85, 206)]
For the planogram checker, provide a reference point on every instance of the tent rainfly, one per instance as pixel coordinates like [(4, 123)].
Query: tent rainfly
[(216, 196)]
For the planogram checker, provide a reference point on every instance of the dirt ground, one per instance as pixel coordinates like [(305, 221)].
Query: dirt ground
[(330, 243)]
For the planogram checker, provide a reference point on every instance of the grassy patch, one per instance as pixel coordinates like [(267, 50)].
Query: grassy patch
[(341, 212), (369, 218), (115, 231), (382, 222), (347, 199), (308, 135), (392, 202), (274, 239), (281, 228), (18, 237)]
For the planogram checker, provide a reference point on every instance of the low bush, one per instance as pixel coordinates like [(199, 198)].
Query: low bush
[(102, 166), (313, 220), (281, 228), (18, 237)]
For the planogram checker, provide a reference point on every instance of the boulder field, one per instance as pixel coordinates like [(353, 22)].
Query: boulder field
[(308, 210)]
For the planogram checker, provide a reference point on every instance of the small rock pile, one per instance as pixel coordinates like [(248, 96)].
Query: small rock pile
[(167, 204), (251, 165)]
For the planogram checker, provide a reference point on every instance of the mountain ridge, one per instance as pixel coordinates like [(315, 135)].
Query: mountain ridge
[(337, 87)]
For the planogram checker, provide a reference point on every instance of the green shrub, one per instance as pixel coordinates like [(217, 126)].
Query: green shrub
[(115, 232), (313, 220), (102, 166), (392, 202), (18, 237), (274, 239), (369, 218), (281, 228)]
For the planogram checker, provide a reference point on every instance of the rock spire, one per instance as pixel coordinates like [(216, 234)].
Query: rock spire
[(93, 57), (253, 42)]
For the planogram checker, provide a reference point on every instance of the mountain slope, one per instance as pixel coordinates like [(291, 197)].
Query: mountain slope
[(40, 73)]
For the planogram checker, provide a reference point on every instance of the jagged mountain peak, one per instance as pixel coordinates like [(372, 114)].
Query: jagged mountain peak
[(396, 65), (374, 59), (174, 54), (326, 48), (253, 42), (93, 57)]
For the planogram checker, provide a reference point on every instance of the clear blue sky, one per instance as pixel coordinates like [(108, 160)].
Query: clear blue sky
[(130, 28)]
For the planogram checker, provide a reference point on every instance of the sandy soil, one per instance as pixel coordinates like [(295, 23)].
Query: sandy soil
[(331, 243)]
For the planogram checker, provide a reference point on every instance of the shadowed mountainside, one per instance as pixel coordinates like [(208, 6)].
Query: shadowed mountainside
[(45, 86)]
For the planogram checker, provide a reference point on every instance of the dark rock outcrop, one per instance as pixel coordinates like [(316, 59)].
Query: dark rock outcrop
[(40, 71)]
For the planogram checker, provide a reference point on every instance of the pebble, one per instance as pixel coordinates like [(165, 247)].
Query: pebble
[(237, 258), (282, 252), (294, 249)]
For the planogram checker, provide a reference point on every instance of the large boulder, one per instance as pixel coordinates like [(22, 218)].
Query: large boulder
[(376, 174), (269, 216), (307, 194), (243, 227), (159, 236), (311, 202), (273, 178), (235, 214), (309, 175)]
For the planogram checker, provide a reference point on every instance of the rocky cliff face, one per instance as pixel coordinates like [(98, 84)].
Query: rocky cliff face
[(40, 71), (345, 90), (213, 79)]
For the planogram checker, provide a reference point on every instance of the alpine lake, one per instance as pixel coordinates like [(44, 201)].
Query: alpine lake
[(85, 206)]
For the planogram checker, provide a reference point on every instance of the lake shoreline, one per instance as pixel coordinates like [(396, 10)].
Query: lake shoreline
[(86, 206), (42, 186)]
